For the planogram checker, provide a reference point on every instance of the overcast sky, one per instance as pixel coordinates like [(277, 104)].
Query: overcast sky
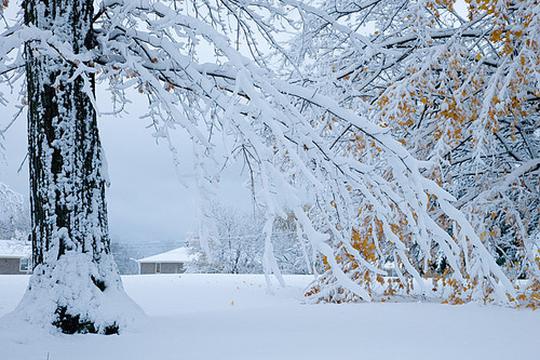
[(146, 201)]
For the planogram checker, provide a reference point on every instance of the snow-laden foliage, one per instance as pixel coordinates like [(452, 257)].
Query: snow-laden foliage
[(310, 136), (459, 88)]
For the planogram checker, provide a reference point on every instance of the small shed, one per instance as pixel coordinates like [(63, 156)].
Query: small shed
[(15, 257), (170, 262)]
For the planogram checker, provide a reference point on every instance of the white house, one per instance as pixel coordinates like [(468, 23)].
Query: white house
[(15, 257), (170, 262)]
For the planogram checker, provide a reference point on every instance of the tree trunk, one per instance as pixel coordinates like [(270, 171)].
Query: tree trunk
[(75, 285)]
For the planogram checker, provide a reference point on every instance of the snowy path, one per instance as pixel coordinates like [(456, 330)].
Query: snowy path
[(226, 317)]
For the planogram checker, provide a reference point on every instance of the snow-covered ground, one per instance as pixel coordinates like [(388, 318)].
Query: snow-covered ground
[(234, 317)]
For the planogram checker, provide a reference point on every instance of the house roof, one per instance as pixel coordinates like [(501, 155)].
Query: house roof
[(15, 249), (179, 255)]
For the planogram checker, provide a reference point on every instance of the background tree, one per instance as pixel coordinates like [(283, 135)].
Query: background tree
[(236, 244), (14, 222)]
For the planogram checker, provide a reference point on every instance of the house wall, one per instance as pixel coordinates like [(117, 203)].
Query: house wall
[(166, 268), (10, 266), (147, 268), (172, 268)]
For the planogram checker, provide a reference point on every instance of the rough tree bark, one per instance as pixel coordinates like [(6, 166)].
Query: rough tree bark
[(75, 285)]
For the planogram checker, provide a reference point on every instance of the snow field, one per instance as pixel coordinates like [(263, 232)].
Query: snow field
[(199, 316)]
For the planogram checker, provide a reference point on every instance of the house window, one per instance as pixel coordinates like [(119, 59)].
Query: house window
[(180, 268), (158, 268), (24, 264)]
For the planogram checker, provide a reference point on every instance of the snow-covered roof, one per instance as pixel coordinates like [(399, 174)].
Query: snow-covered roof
[(15, 249), (179, 255)]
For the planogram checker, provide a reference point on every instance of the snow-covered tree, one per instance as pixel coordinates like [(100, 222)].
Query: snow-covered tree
[(457, 84), (293, 254), (236, 244), (201, 66), (13, 214), (75, 285)]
